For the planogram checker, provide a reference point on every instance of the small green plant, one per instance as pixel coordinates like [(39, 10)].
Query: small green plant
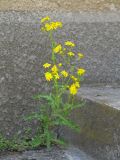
[(56, 106), (14, 144), (64, 79), (3, 142)]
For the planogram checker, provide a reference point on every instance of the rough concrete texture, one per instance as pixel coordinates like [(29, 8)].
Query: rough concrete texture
[(71, 153), (108, 95), (71, 5), (99, 121), (23, 50)]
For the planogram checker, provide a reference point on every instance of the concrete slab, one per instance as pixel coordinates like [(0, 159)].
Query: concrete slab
[(99, 122), (109, 96), (70, 153), (73, 153)]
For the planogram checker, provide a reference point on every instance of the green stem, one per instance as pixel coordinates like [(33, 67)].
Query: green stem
[(53, 46)]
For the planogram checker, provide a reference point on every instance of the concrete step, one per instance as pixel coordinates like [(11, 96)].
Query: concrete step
[(73, 153), (70, 153), (106, 95), (99, 121)]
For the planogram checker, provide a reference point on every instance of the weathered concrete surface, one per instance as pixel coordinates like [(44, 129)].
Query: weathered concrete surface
[(108, 95), (70, 153), (99, 121), (71, 5), (23, 50)]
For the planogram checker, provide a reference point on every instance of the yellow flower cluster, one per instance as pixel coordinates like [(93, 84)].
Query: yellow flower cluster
[(69, 43), (51, 25), (53, 73), (81, 71), (77, 84), (73, 89), (71, 54), (74, 78), (64, 73), (48, 76), (58, 48), (47, 18), (56, 71), (46, 65)]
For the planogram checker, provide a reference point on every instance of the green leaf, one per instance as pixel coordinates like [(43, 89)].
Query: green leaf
[(66, 122), (36, 116), (60, 142), (39, 96), (36, 141)]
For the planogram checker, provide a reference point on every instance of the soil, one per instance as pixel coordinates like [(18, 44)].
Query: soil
[(69, 5)]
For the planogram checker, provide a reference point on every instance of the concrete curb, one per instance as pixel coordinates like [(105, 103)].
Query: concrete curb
[(99, 121)]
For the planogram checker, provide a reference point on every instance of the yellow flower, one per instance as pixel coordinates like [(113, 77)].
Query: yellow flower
[(73, 89), (70, 54), (69, 43), (77, 84), (48, 76), (47, 18), (64, 73), (54, 69), (60, 64), (74, 78), (52, 26), (56, 25), (58, 48), (81, 71), (46, 65), (57, 76), (80, 55), (48, 27)]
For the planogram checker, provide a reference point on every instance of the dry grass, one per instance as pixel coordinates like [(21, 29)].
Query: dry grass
[(59, 4)]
